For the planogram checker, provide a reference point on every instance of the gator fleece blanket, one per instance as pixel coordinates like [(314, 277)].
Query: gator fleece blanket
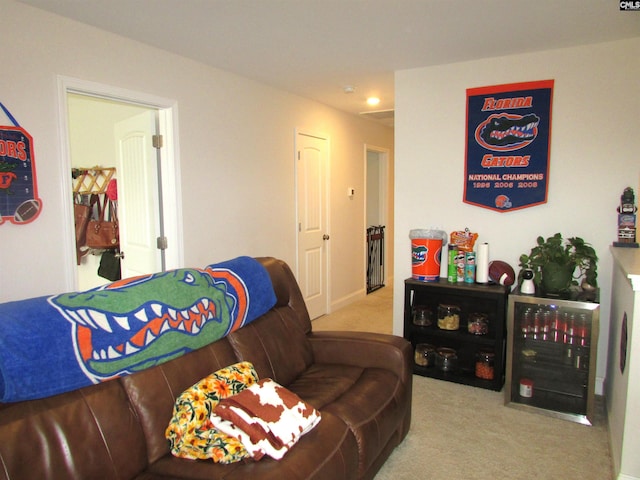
[(50, 345)]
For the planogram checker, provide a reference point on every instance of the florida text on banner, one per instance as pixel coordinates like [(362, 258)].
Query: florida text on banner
[(507, 145)]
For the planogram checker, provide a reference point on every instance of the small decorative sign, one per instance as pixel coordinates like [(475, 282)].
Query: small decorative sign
[(507, 145), (19, 202)]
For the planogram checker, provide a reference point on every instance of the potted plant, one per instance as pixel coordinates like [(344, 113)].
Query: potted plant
[(557, 264)]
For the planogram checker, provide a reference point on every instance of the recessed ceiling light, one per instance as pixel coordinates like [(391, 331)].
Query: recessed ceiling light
[(373, 101), (349, 89)]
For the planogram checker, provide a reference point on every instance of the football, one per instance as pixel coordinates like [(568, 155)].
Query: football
[(501, 272), (27, 211)]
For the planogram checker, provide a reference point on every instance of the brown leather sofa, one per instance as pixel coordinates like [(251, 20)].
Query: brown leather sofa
[(360, 382)]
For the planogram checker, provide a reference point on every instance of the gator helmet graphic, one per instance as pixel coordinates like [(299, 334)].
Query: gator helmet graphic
[(505, 132), (502, 201), (136, 323)]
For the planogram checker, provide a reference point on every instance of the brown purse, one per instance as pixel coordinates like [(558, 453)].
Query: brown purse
[(83, 208), (103, 234)]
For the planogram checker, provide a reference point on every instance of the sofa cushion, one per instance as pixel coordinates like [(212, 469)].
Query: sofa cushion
[(329, 451), (190, 432), (367, 399), (87, 433)]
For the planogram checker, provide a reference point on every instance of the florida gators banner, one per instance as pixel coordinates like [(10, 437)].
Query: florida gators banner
[(507, 145)]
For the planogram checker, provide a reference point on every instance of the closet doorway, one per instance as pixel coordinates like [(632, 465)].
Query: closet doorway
[(109, 132), (376, 208)]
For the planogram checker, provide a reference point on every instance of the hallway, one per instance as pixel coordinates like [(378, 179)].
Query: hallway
[(374, 313)]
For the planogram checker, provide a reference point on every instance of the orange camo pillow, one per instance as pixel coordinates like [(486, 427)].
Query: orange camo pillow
[(190, 432)]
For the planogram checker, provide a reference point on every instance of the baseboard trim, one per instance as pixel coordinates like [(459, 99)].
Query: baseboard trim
[(348, 300)]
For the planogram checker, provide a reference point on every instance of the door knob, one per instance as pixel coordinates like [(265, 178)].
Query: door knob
[(325, 237)]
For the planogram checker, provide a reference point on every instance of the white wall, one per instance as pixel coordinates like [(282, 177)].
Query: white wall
[(594, 155), (236, 142)]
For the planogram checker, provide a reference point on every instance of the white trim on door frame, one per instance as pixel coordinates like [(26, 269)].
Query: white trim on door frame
[(168, 123)]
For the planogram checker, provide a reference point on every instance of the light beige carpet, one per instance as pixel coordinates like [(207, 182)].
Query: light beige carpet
[(374, 313), (465, 433)]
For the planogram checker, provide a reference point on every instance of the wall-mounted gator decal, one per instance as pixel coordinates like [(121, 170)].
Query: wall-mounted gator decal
[(54, 344)]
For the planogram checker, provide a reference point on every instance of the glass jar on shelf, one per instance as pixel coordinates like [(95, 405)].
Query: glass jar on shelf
[(485, 360), (422, 316), (446, 359), (448, 317), (478, 323), (424, 355)]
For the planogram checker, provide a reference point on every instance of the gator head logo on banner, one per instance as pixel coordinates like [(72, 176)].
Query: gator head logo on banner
[(505, 132), (136, 323)]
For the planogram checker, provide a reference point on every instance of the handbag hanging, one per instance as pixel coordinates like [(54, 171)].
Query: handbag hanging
[(110, 265), (81, 214), (103, 234)]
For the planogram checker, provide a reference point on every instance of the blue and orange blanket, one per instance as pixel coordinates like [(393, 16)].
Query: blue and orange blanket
[(50, 345)]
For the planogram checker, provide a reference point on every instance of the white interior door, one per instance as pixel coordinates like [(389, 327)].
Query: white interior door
[(313, 232), (138, 204)]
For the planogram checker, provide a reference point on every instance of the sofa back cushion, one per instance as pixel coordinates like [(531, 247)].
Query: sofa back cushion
[(277, 343), (287, 291), (88, 433), (276, 346)]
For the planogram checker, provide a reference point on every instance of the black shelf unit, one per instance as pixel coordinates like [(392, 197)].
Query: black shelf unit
[(558, 361), (490, 300)]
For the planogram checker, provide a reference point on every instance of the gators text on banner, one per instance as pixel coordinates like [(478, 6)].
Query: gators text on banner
[(507, 145)]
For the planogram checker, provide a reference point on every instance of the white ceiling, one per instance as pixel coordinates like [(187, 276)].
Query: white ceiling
[(315, 48)]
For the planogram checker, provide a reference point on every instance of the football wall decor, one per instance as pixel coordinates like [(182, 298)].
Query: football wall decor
[(19, 201)]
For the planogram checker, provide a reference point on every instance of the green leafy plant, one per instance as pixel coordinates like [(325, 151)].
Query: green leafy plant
[(563, 262)]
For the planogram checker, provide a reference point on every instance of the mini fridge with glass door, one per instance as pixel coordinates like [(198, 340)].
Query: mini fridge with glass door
[(551, 355)]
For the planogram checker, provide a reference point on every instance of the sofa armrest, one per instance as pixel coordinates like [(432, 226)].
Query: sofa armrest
[(364, 349)]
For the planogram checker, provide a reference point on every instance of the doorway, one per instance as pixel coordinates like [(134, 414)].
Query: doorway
[(312, 165), (106, 127), (377, 181)]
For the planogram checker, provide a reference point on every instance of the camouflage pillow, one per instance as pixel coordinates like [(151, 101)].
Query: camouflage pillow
[(190, 432)]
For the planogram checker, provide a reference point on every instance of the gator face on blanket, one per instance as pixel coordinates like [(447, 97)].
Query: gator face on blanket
[(49, 345)]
